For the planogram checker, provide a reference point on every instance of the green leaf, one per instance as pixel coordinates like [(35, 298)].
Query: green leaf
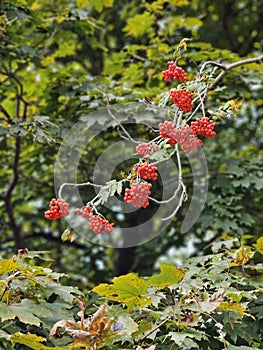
[(259, 245), (168, 276), (163, 101), (9, 265), (232, 347), (4, 335), (179, 337), (65, 292), (23, 311), (139, 25), (129, 326), (129, 289)]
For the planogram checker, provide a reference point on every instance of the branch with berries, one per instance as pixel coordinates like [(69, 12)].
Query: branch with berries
[(175, 135)]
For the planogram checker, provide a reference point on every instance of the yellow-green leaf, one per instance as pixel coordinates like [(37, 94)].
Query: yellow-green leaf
[(168, 276), (259, 245), (8, 265), (32, 341), (129, 289), (227, 306), (139, 25)]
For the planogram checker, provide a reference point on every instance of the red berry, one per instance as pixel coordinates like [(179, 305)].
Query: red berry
[(138, 194), (182, 99), (58, 209)]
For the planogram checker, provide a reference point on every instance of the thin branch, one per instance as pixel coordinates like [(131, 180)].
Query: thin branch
[(129, 137), (227, 68), (154, 329), (76, 185), (5, 112)]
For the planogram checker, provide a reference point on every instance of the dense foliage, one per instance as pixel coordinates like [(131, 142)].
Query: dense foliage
[(62, 60)]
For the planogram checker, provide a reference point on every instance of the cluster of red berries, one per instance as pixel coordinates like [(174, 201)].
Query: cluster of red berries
[(183, 136), (168, 131), (174, 72), (146, 171), (138, 194), (203, 127), (96, 223), (58, 209), (85, 212), (187, 140), (99, 225), (182, 99), (145, 149)]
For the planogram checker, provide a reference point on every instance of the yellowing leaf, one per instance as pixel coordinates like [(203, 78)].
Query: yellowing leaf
[(32, 341), (139, 25), (178, 3), (243, 255), (259, 245), (227, 306), (129, 289), (169, 275), (8, 265)]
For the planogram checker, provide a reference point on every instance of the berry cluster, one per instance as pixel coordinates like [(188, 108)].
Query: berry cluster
[(187, 140), (96, 223), (168, 131), (99, 225), (145, 149), (146, 171), (174, 72), (203, 127), (85, 212), (138, 194), (182, 99), (58, 209)]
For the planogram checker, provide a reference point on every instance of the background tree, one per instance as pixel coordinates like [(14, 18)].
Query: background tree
[(59, 61)]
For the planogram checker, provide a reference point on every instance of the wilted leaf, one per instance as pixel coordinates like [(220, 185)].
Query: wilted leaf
[(128, 289), (68, 235), (168, 276)]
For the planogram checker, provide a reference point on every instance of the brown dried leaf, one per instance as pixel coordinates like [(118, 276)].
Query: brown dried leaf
[(61, 324)]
